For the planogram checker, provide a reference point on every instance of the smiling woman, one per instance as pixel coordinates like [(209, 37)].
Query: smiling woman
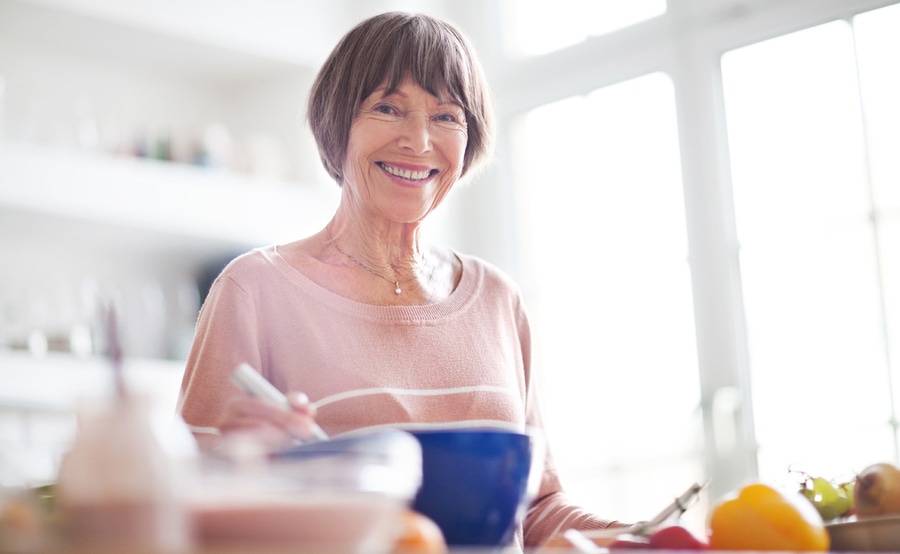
[(409, 139), (377, 326)]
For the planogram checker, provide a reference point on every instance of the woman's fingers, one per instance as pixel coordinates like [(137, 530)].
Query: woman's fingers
[(245, 413), (305, 414), (300, 403), (251, 407)]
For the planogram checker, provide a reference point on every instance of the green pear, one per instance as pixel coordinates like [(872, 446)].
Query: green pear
[(847, 489), (830, 501)]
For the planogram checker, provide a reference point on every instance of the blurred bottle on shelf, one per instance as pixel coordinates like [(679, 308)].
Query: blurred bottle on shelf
[(219, 146), (161, 146)]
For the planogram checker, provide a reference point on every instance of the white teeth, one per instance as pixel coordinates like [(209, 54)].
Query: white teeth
[(405, 173)]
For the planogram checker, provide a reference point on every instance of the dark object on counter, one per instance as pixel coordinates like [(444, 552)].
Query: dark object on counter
[(210, 271), (475, 483)]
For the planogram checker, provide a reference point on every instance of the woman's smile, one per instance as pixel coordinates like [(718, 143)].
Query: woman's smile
[(408, 175), (405, 150)]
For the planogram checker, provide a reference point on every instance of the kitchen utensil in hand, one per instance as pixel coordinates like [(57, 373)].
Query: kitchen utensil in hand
[(581, 539), (252, 382)]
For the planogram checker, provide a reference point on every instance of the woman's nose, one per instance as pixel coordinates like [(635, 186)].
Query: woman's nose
[(416, 134)]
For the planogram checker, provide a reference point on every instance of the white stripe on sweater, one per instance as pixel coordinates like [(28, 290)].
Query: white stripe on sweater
[(204, 430), (356, 393), (437, 425)]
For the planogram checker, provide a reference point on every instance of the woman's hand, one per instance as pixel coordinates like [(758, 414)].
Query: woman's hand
[(274, 426), (560, 540)]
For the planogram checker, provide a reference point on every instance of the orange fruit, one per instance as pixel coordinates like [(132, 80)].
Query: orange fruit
[(760, 517), (420, 535)]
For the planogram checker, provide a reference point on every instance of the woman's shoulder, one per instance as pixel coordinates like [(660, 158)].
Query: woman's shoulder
[(250, 268), (493, 280)]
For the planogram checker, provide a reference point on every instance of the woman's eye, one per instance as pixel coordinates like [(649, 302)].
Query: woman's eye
[(386, 109), (447, 118)]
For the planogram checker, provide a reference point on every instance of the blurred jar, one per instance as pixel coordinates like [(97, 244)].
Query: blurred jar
[(347, 495), (117, 486), (22, 527)]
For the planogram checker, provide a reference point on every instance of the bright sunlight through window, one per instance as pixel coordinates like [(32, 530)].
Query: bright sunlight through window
[(809, 261), (537, 27), (878, 42), (604, 249)]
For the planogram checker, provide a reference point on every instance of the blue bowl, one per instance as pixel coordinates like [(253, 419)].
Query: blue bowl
[(475, 483)]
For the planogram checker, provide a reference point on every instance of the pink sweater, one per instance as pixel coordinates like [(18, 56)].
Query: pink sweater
[(463, 361)]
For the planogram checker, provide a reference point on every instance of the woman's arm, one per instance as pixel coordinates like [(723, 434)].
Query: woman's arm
[(550, 513), (228, 333)]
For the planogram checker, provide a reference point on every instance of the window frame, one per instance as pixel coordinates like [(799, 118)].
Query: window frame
[(686, 43)]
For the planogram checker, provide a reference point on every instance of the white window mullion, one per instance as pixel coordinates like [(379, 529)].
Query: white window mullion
[(874, 48), (712, 236)]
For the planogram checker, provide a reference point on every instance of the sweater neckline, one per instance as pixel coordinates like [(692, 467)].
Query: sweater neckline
[(460, 297)]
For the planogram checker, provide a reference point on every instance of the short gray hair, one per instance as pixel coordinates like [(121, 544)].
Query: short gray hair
[(383, 50)]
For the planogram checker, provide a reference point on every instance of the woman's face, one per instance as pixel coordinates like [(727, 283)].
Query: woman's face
[(404, 152)]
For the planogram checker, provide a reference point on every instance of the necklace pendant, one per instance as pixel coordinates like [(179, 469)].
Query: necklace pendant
[(397, 290)]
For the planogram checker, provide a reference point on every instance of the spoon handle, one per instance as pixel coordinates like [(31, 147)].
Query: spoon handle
[(252, 382)]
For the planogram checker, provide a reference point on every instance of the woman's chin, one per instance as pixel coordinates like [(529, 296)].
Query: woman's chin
[(406, 219), (404, 210)]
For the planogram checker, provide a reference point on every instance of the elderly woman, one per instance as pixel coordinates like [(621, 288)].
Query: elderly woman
[(377, 326)]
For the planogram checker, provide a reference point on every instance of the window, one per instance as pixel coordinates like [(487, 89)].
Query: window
[(793, 224), (536, 27), (808, 224), (877, 42), (608, 285)]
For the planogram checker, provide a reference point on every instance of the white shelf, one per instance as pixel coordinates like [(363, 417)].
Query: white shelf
[(41, 396), (176, 38), (55, 383), (160, 197)]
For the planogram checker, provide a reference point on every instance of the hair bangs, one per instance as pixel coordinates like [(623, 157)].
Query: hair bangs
[(434, 63)]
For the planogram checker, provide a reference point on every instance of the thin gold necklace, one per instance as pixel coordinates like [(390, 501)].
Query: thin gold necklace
[(396, 282)]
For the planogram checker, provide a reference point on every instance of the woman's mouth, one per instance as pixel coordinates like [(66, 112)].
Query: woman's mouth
[(406, 176)]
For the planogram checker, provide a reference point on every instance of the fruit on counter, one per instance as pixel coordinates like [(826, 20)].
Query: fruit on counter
[(676, 537), (759, 517), (877, 491), (848, 489), (831, 501), (420, 535)]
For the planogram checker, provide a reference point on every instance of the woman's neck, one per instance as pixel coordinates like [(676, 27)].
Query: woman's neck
[(378, 243)]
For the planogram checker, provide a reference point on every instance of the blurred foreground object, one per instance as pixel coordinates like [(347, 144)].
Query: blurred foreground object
[(420, 535), (21, 526), (117, 486), (759, 517), (343, 495)]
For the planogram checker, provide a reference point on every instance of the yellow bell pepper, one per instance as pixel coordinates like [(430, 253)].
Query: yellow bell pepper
[(762, 518)]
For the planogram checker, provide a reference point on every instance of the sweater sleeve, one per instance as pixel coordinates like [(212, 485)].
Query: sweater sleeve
[(226, 335), (550, 512)]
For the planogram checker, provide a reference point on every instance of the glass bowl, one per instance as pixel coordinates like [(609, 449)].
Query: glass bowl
[(342, 495)]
